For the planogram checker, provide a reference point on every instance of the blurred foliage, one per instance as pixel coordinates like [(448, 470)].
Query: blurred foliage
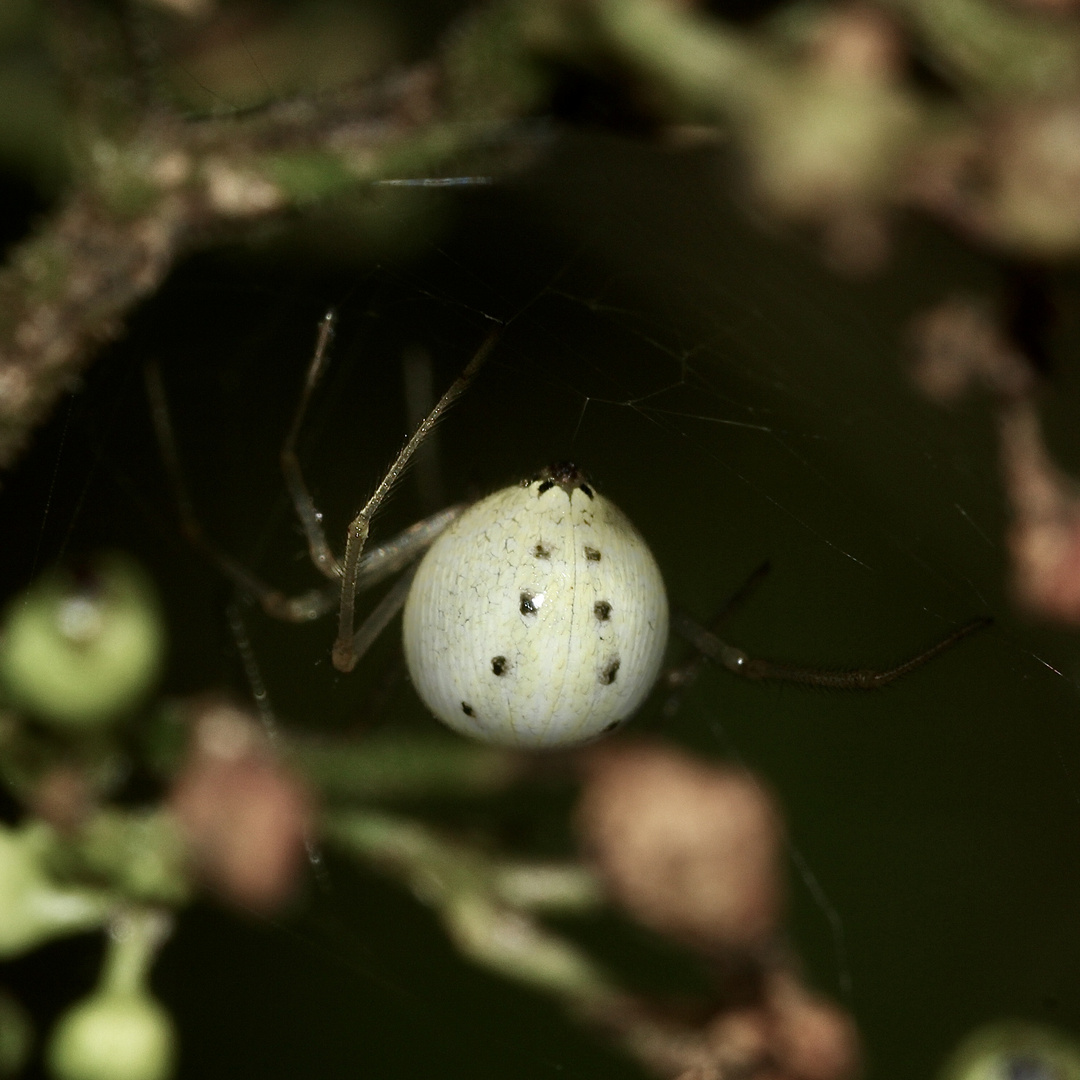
[(139, 134)]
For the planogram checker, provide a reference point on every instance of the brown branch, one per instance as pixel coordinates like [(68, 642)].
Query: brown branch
[(163, 186), (67, 290)]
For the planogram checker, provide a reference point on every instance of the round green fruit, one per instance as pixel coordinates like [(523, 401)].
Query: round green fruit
[(79, 651), (112, 1036)]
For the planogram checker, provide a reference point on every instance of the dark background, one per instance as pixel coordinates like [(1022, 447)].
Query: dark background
[(740, 403)]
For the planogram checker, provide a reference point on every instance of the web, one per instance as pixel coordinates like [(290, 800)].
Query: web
[(740, 403)]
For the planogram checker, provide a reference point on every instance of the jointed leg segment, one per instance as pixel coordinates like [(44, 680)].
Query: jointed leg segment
[(359, 569), (322, 558), (735, 660), (344, 654)]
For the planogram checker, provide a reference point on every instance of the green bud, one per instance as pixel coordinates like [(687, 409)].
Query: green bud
[(141, 853), (1014, 1048), (80, 652), (119, 1032), (33, 909), (113, 1036)]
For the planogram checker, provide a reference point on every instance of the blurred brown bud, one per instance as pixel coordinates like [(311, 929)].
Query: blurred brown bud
[(1034, 161), (739, 1041), (1044, 537), (828, 142), (63, 797), (859, 42), (812, 1039), (244, 815), (958, 343), (828, 147), (1013, 181), (790, 1034), (689, 849)]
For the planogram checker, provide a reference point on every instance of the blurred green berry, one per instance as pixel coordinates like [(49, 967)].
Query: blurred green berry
[(113, 1036), (80, 650), (1014, 1050)]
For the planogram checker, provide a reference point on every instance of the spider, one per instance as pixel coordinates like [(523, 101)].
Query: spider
[(536, 617)]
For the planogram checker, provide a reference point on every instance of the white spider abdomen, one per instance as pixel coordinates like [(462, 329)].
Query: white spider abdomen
[(539, 618)]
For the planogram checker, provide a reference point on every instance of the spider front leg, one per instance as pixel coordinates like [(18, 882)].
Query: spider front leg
[(322, 557), (679, 679), (735, 660), (375, 564), (345, 653)]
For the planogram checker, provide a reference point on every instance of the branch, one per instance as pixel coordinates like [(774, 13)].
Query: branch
[(155, 187)]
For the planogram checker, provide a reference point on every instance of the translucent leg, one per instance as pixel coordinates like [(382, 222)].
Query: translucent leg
[(344, 655), (379, 617), (679, 679), (321, 556), (737, 661), (377, 563)]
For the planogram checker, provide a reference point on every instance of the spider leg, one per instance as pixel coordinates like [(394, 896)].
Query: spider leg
[(310, 519), (735, 660), (344, 656), (376, 564), (679, 679), (379, 617), (379, 562)]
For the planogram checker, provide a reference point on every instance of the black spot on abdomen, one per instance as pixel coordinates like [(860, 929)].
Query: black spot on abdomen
[(609, 671)]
